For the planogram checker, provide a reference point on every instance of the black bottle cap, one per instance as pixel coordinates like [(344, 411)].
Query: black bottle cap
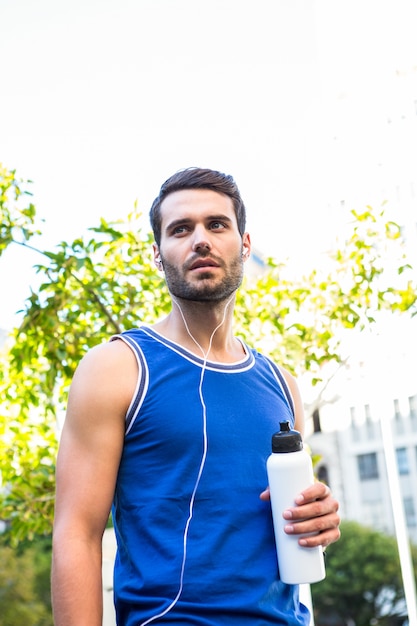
[(286, 440)]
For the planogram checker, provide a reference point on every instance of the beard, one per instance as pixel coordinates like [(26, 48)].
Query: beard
[(205, 287)]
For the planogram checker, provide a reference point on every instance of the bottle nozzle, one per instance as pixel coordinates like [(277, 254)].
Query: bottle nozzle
[(286, 440)]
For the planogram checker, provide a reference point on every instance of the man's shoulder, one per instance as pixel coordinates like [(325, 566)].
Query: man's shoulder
[(108, 358), (272, 362)]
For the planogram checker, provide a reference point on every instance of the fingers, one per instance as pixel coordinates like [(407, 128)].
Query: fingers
[(315, 501), (317, 491), (324, 529), (265, 495), (316, 512)]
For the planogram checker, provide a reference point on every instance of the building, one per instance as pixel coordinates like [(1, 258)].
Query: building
[(353, 463)]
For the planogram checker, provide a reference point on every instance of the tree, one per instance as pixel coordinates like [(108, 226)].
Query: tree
[(363, 580), (24, 586), (102, 283)]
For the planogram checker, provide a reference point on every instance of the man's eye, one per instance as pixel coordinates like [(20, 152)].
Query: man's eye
[(217, 225), (179, 230)]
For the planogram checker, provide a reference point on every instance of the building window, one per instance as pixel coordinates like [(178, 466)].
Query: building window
[(373, 514), (397, 410), (354, 422), (410, 512), (368, 466), (412, 402), (316, 421), (323, 474), (402, 461), (370, 426)]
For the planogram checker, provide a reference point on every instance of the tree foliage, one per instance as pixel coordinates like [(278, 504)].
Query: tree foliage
[(363, 582), (24, 585), (105, 282)]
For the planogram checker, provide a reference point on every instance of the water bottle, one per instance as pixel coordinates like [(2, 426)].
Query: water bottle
[(290, 471)]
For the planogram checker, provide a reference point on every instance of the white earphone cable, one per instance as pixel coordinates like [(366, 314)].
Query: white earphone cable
[(202, 462)]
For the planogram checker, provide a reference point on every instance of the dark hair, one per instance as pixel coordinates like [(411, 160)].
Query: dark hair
[(198, 178)]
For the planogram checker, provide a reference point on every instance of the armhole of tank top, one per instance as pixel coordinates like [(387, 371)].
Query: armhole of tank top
[(142, 381), (283, 384)]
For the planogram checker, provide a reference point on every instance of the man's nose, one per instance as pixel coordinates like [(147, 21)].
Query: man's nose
[(201, 241)]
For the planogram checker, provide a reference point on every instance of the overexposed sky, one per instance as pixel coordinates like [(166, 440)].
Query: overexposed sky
[(102, 100)]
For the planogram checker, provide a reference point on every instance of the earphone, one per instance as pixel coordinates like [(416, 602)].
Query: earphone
[(245, 251)]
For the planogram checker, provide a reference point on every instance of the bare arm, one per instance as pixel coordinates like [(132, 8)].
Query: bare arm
[(87, 466), (315, 506)]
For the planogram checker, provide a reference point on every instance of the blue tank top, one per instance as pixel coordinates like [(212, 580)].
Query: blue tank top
[(195, 542)]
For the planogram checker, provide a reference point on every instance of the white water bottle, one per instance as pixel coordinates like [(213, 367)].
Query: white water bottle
[(290, 471)]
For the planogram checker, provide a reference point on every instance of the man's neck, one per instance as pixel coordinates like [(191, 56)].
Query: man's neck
[(204, 329)]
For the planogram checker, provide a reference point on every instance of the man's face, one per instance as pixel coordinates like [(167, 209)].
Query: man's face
[(201, 247)]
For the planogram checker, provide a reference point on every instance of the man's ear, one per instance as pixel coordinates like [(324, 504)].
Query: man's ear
[(246, 246), (157, 257)]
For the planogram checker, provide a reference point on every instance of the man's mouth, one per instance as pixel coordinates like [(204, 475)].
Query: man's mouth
[(203, 264)]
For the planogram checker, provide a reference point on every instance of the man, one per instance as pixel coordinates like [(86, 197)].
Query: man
[(172, 424)]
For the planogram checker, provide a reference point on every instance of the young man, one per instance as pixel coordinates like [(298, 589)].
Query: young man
[(172, 424)]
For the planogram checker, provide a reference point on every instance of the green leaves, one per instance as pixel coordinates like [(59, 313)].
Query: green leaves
[(105, 282), (363, 578), (24, 585), (17, 216)]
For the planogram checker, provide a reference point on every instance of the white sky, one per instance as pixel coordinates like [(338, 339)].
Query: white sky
[(102, 100)]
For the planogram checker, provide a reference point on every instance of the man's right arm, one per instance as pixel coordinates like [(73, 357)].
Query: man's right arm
[(87, 465)]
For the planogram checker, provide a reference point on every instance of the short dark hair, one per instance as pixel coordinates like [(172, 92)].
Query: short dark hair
[(198, 178)]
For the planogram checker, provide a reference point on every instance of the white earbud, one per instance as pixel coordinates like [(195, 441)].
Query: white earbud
[(245, 251)]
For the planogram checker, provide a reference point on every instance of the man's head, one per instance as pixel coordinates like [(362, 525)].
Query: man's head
[(198, 178)]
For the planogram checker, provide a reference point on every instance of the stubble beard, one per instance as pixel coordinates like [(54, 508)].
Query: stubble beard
[(205, 288)]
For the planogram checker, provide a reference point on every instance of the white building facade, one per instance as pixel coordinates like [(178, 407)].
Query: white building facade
[(353, 463)]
